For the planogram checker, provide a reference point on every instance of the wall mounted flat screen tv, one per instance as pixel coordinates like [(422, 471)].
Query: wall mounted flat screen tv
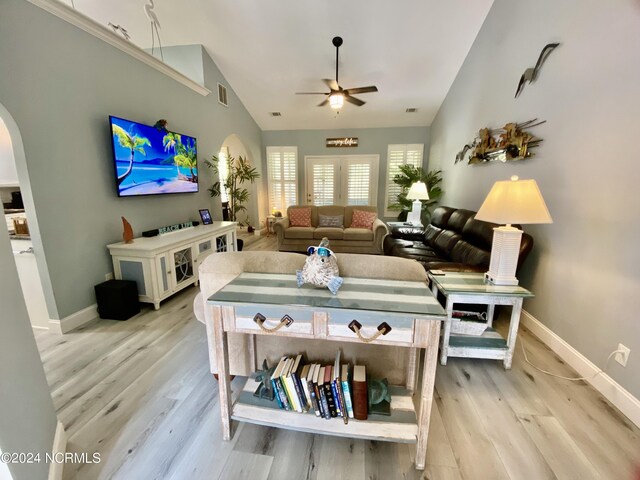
[(149, 161)]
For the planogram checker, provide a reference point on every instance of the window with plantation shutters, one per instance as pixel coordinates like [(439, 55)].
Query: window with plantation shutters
[(282, 177), (342, 180), (399, 155)]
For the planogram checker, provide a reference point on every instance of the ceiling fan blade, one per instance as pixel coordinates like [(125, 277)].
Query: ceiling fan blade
[(351, 91), (332, 84), (312, 93), (323, 103), (354, 100)]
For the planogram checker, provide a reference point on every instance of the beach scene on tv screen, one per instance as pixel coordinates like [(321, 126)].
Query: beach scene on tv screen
[(151, 161)]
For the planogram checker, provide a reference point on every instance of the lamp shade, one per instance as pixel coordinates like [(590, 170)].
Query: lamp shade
[(514, 201), (418, 191)]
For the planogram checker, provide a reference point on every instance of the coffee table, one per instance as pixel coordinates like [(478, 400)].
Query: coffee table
[(472, 288)]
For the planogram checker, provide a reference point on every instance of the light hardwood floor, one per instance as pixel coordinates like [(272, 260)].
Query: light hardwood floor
[(140, 393)]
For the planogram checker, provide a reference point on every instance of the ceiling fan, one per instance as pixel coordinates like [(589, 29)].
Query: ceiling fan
[(338, 95)]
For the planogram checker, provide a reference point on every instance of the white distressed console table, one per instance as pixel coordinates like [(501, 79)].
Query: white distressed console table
[(165, 264), (408, 308)]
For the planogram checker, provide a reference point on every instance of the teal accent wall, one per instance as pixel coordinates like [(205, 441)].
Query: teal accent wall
[(60, 84), (371, 141)]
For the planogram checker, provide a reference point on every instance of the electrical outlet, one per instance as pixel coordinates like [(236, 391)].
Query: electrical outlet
[(108, 276), (622, 356)]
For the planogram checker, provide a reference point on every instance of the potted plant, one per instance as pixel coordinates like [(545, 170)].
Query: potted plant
[(408, 176), (239, 171)]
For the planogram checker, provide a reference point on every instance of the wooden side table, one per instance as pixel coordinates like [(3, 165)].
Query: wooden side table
[(271, 221), (471, 288)]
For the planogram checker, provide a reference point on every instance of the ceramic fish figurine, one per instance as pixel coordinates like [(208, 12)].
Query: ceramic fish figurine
[(320, 268)]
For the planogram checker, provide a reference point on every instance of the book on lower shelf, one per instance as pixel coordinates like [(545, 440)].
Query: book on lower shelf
[(360, 396), (326, 391)]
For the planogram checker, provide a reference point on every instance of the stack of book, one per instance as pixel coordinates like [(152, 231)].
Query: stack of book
[(327, 390)]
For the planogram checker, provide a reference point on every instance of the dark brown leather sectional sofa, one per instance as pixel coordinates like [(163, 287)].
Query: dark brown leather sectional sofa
[(453, 241)]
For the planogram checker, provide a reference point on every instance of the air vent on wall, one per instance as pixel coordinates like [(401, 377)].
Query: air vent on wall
[(275, 114), (411, 110), (222, 95)]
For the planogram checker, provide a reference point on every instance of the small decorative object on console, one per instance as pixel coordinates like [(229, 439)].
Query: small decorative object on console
[(321, 268), (127, 234), (205, 216), (379, 397)]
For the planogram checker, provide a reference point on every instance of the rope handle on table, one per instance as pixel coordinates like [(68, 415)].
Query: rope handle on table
[(356, 327), (260, 319)]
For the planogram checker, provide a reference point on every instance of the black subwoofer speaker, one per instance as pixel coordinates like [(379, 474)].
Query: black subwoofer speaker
[(117, 299)]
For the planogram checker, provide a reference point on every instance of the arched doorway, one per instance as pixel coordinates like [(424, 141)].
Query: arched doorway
[(26, 242), (233, 146)]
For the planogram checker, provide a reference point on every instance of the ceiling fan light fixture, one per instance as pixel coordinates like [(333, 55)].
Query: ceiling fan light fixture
[(336, 100)]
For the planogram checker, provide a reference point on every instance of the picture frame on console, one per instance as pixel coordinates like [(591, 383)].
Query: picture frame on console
[(205, 216)]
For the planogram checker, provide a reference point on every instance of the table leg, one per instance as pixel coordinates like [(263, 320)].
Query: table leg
[(426, 394), (412, 368), (491, 308), (222, 360), (253, 359), (447, 332), (513, 332)]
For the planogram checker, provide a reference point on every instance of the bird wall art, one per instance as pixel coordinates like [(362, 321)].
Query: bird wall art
[(121, 30), (531, 74), (155, 26)]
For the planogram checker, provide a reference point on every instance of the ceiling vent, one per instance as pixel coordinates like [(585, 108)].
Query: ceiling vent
[(222, 95), (411, 110), (275, 114)]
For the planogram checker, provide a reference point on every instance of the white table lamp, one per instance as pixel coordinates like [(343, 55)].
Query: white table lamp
[(510, 201), (417, 193)]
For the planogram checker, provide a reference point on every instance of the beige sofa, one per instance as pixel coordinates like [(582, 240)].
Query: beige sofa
[(219, 269), (343, 240)]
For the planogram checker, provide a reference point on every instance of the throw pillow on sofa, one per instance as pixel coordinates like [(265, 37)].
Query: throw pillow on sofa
[(362, 219), (331, 221), (300, 217)]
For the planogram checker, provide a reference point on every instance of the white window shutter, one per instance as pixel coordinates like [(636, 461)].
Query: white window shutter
[(323, 184), (282, 177), (398, 155)]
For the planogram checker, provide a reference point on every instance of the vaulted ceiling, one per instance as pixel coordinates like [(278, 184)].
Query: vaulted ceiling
[(270, 49)]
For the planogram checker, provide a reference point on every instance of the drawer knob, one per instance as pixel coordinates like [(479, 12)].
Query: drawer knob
[(285, 321), (356, 328)]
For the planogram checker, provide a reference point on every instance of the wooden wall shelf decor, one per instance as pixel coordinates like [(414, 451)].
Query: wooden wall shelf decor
[(504, 144)]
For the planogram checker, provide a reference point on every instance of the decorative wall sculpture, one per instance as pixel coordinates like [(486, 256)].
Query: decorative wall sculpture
[(504, 144), (531, 74)]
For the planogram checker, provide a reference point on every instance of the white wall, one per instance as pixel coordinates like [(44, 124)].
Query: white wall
[(584, 268), (8, 173)]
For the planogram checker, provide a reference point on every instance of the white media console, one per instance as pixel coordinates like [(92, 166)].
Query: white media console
[(164, 265)]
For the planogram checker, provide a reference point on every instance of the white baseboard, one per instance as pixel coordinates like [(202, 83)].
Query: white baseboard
[(75, 320), (59, 446), (607, 386)]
